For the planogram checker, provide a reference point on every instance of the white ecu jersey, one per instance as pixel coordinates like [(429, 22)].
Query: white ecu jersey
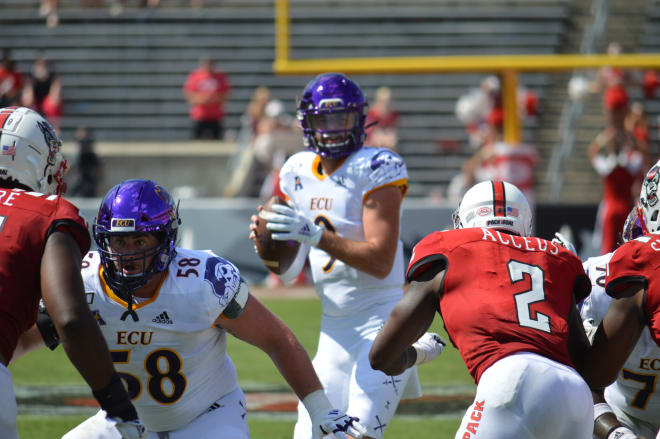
[(335, 201), (173, 360), (636, 390)]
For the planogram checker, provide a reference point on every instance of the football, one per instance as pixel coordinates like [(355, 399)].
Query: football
[(276, 255)]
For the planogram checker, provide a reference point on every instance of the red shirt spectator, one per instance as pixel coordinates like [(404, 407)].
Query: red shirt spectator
[(206, 90), (11, 83), (619, 166)]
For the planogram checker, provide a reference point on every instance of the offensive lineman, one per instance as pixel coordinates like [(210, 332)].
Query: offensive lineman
[(165, 313), (345, 203), (43, 240), (508, 303)]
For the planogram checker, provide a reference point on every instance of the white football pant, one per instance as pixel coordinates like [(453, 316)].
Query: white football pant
[(527, 396), (227, 415), (342, 364)]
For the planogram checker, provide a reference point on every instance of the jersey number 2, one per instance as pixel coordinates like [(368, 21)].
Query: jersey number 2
[(517, 272)]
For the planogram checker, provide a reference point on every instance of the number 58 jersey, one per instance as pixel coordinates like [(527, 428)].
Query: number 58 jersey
[(335, 201), (503, 294), (173, 360)]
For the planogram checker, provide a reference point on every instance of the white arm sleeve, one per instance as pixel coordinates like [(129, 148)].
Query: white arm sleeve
[(297, 264)]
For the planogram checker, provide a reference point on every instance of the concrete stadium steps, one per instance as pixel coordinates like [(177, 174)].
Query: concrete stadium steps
[(122, 74)]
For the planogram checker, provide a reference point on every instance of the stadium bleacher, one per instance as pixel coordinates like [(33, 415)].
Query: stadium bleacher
[(122, 74)]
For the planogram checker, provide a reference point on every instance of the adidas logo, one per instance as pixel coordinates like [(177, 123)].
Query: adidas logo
[(163, 319)]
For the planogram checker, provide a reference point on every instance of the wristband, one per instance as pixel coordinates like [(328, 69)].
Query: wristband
[(114, 400), (600, 409), (421, 355), (621, 433), (317, 403)]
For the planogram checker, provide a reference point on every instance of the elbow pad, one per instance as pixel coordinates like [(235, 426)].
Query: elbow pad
[(47, 328)]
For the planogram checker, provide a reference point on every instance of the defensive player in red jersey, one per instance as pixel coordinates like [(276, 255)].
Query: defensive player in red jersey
[(633, 278), (43, 240), (507, 301)]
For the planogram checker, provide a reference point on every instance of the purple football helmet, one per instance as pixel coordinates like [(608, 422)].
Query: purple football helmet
[(133, 207), (332, 112), (633, 227)]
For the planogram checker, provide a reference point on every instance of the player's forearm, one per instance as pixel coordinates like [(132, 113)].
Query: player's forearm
[(365, 256), (87, 350), (295, 366)]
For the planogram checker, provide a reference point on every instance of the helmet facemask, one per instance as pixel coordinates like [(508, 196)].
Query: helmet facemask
[(332, 113), (131, 208)]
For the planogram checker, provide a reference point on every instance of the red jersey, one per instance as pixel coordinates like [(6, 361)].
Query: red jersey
[(26, 221), (503, 294), (208, 84), (635, 261)]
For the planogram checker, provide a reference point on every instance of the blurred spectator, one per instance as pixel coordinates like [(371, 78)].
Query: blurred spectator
[(88, 165), (617, 158), (11, 82), (475, 107), (497, 160), (206, 90), (277, 138), (383, 120), (42, 92), (613, 82), (48, 9), (254, 112), (636, 122)]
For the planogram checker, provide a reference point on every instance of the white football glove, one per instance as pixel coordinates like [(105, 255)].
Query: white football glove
[(561, 240), (428, 347), (129, 429), (288, 223), (329, 421)]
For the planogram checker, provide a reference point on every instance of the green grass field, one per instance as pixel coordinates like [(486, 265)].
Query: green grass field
[(256, 372)]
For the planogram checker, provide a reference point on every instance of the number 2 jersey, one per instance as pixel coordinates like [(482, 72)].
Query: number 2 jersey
[(335, 201), (632, 391), (503, 294), (26, 221), (173, 360)]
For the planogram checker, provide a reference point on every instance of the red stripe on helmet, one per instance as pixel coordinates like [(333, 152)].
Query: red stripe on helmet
[(499, 199), (4, 115)]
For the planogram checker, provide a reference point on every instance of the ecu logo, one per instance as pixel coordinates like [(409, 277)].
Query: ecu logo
[(123, 224), (331, 103)]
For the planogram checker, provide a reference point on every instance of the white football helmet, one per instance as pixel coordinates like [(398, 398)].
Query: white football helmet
[(495, 205), (30, 151), (649, 204)]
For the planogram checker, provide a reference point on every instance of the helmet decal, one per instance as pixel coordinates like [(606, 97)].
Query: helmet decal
[(651, 186), (649, 207), (35, 151), (499, 199)]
